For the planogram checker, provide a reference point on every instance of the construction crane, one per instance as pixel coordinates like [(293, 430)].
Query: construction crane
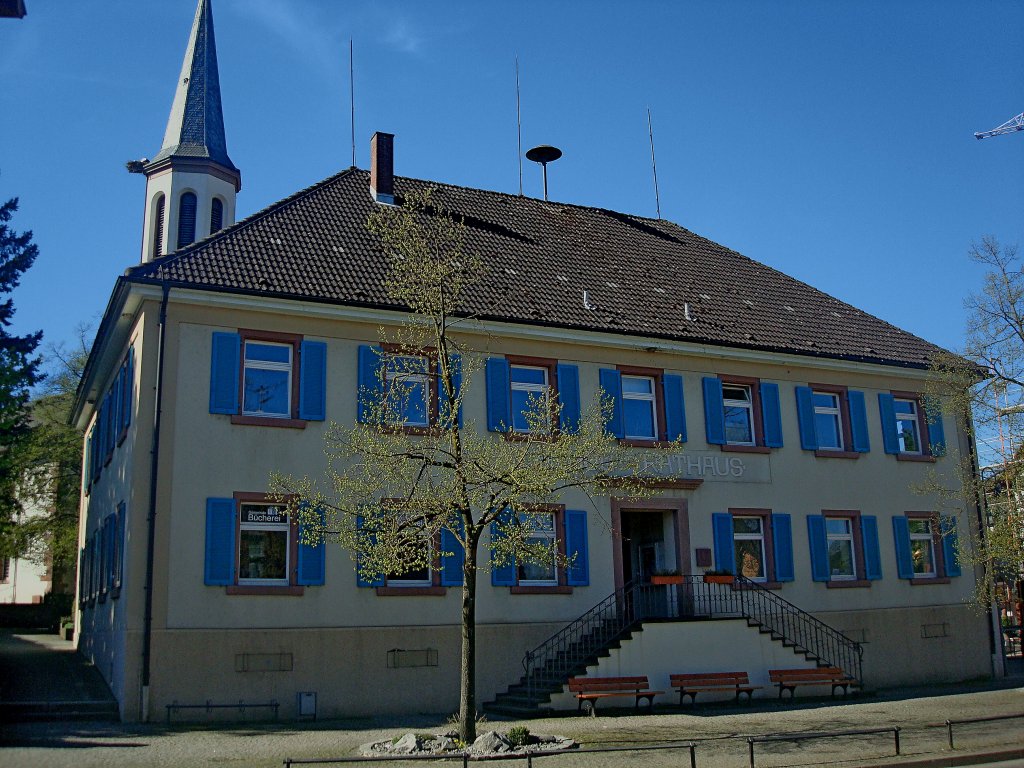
[(1010, 126)]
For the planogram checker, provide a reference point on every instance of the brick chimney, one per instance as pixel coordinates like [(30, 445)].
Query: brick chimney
[(382, 167)]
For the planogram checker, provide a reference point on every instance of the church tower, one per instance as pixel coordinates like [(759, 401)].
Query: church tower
[(191, 184)]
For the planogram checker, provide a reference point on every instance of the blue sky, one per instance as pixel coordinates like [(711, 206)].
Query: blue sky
[(830, 140)]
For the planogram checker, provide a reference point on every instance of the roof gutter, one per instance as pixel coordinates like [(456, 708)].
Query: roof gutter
[(147, 626)]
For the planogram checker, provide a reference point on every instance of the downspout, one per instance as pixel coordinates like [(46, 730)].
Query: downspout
[(147, 620)]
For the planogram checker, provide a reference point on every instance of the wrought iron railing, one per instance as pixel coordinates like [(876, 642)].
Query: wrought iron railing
[(689, 597)]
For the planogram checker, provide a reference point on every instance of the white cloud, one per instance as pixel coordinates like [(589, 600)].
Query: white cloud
[(402, 37)]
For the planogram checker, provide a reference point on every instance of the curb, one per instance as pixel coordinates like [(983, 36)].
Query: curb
[(967, 758)]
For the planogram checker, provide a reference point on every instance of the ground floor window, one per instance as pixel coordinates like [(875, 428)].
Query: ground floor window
[(754, 543), (926, 547), (263, 544)]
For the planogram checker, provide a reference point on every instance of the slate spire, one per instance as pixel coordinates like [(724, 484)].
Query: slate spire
[(195, 127)]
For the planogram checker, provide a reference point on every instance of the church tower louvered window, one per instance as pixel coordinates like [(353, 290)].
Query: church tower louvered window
[(216, 215), (158, 226), (187, 219)]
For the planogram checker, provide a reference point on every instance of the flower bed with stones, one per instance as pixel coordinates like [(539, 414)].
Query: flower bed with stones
[(489, 743)]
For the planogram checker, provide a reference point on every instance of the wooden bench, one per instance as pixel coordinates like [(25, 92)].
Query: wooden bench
[(692, 684), (789, 679), (589, 689)]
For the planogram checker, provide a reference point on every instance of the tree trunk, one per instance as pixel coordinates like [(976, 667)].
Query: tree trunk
[(467, 694)]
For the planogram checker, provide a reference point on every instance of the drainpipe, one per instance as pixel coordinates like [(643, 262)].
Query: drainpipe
[(147, 625)]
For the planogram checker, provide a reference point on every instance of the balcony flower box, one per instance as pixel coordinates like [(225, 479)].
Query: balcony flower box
[(672, 578), (719, 578)]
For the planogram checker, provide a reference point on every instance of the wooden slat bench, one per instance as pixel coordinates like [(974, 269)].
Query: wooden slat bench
[(789, 679), (589, 689), (692, 684)]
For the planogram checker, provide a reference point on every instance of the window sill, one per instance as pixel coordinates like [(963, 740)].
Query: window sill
[(824, 453), (268, 421), (242, 589), (559, 590), (847, 583), (122, 436), (412, 591), (746, 449), (522, 437), (115, 593), (915, 457), (106, 461), (917, 582)]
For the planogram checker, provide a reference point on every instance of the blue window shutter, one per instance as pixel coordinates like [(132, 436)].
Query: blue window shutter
[(371, 387), (360, 581), (87, 461), (872, 554), (505, 575), (772, 414), (782, 541), (442, 394), (499, 403), (949, 546), (675, 410), (220, 542), (818, 546), (901, 537), (120, 524), (890, 439), (578, 574), (129, 383), (569, 396), (805, 417), (936, 434), (611, 386), (312, 564), (714, 410), (313, 381), (224, 372), (858, 421), (453, 562), (725, 553), (115, 406)]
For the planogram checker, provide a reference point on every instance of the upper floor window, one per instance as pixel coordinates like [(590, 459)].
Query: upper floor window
[(833, 420), (267, 379), (639, 408), (646, 404), (755, 543), (216, 215), (271, 379), (522, 394), (407, 386), (404, 388), (742, 413), (907, 430), (187, 219)]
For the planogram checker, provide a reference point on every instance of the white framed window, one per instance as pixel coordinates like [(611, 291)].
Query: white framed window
[(639, 407), (407, 388), (908, 426), (922, 547), (738, 404), (828, 420), (264, 544), (542, 537), (748, 545), (529, 386), (842, 563), (421, 550), (267, 379)]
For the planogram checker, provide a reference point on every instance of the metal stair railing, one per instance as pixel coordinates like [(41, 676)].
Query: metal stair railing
[(796, 627), (690, 597)]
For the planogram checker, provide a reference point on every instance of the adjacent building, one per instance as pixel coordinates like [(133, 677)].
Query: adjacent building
[(229, 350)]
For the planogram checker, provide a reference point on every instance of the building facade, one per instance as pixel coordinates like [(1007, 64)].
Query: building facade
[(224, 360)]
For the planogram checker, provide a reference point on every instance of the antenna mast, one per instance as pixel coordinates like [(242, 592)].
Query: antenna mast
[(352, 97), (519, 129), (654, 164)]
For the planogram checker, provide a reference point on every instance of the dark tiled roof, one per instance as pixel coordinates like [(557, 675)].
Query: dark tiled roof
[(642, 276)]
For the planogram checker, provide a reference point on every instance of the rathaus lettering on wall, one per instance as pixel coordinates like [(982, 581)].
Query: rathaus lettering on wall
[(710, 466)]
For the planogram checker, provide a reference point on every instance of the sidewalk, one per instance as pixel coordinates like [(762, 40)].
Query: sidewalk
[(719, 732)]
